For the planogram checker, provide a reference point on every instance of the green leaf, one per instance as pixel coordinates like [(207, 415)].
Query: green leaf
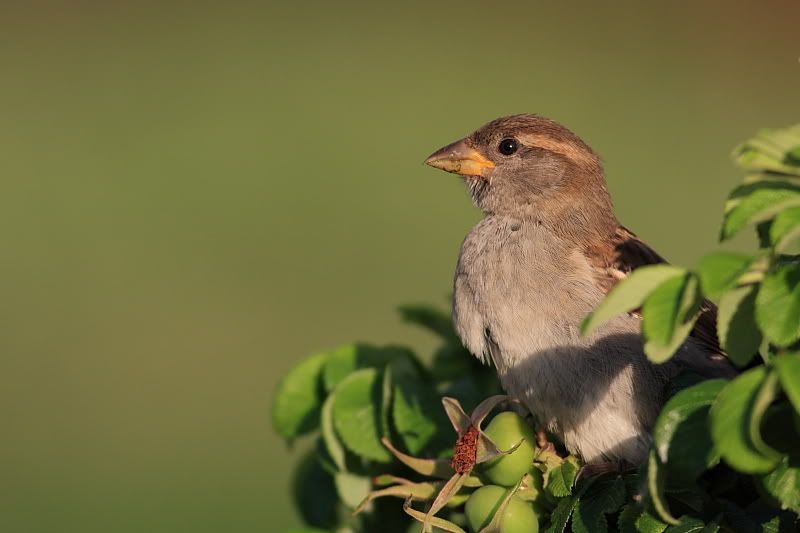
[(720, 271), (629, 294), (348, 358), (352, 489), (430, 318), (736, 324), (788, 369), (560, 516), (656, 480), (635, 519), (681, 436), (783, 483), (764, 397), (670, 311), (731, 415), (756, 202), (774, 150), (332, 444), (688, 525), (314, 493), (778, 304), (561, 479), (659, 353), (647, 523), (298, 399), (793, 156), (418, 416), (605, 497), (357, 414), (785, 228), (661, 309)]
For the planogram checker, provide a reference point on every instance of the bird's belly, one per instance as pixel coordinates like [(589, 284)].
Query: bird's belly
[(528, 320)]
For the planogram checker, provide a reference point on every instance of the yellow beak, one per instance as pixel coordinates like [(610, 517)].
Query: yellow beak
[(459, 158)]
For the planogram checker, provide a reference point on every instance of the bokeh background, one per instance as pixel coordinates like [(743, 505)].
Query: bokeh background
[(194, 196)]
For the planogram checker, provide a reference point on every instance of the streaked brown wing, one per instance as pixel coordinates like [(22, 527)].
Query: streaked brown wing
[(614, 259)]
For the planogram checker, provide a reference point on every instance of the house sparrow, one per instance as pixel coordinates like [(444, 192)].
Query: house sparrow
[(546, 253)]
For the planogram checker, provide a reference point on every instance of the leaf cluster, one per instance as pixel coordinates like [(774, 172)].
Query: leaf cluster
[(725, 454)]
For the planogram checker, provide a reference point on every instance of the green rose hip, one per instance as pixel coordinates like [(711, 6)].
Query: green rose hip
[(518, 516), (507, 429)]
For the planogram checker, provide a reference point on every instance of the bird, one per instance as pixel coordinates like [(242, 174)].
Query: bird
[(546, 252)]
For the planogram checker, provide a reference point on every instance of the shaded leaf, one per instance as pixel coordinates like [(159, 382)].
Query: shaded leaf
[(688, 524), (298, 398), (314, 493), (357, 414), (681, 435), (560, 516), (418, 417), (629, 294), (430, 318), (655, 487), (731, 414), (778, 304), (738, 332), (605, 497)]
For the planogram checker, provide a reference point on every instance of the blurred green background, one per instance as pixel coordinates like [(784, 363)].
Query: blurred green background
[(195, 196)]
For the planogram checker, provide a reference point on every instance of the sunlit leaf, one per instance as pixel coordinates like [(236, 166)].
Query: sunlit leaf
[(731, 414), (720, 271), (661, 309), (561, 479), (329, 437), (629, 294), (788, 369), (352, 489), (357, 414), (755, 202), (778, 304), (784, 484), (670, 311), (415, 491), (785, 229), (298, 398), (346, 359)]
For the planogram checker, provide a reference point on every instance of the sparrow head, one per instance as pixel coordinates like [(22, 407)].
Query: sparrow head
[(524, 164)]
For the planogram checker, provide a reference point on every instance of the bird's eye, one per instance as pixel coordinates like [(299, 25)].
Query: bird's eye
[(508, 146)]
